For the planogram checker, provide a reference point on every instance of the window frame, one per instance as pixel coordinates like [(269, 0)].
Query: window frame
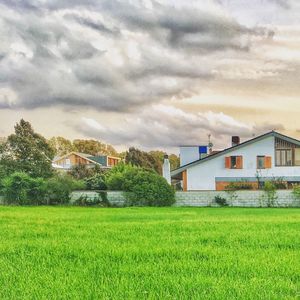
[(263, 157)]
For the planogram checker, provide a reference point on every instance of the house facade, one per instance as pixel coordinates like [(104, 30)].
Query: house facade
[(72, 159), (271, 156)]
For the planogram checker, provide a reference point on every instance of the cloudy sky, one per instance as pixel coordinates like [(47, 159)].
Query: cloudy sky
[(154, 74)]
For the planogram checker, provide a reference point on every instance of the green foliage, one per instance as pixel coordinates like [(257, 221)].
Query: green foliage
[(115, 178), (239, 185), (148, 189), (279, 183), (61, 145), (27, 151), (20, 188), (221, 201), (143, 159), (152, 160), (143, 187), (270, 194), (96, 182), (59, 189), (94, 147), (99, 200), (81, 171), (296, 191)]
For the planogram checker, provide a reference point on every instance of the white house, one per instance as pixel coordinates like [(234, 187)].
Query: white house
[(269, 156)]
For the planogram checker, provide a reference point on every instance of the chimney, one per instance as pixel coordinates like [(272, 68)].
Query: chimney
[(166, 169), (235, 140)]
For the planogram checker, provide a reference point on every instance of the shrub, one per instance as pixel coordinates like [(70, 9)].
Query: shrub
[(20, 188), (37, 191), (270, 195), (148, 189), (117, 176), (142, 187), (241, 185), (221, 201), (296, 191), (99, 200), (96, 182), (115, 182), (59, 189)]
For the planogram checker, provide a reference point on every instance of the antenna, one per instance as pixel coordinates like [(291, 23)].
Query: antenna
[(210, 144)]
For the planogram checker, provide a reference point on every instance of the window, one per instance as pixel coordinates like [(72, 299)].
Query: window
[(284, 157), (261, 162), (297, 156), (234, 162)]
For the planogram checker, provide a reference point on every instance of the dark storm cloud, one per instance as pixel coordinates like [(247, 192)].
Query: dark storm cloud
[(111, 55)]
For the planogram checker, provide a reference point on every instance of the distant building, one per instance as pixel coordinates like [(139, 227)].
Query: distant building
[(72, 159), (271, 156)]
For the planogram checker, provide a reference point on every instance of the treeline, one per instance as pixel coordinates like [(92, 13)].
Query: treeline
[(27, 176)]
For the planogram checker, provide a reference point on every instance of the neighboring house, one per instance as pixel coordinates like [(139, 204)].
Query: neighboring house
[(69, 160), (269, 156)]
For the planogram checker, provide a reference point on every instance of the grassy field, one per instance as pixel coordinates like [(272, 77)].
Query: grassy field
[(149, 253)]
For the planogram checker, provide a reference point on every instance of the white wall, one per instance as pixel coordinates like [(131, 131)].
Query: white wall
[(188, 154), (202, 176)]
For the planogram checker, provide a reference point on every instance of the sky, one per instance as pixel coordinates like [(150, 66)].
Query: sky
[(151, 74)]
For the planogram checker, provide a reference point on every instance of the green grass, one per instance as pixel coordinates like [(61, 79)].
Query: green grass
[(149, 253)]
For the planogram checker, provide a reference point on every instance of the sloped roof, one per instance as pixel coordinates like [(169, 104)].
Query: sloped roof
[(83, 155), (227, 150)]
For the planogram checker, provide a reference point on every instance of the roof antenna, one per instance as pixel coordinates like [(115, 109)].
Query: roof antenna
[(210, 144)]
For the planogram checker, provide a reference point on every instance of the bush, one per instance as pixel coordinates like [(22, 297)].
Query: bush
[(96, 182), (100, 200), (20, 188), (221, 201), (296, 191), (117, 176), (270, 195), (59, 189), (148, 189), (236, 186), (142, 187)]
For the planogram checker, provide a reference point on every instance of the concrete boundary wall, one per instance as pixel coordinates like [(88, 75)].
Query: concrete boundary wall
[(284, 198)]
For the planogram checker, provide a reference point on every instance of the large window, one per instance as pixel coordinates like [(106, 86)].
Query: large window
[(287, 153), (284, 157)]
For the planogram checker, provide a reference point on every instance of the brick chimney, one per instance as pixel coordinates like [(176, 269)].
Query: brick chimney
[(235, 140)]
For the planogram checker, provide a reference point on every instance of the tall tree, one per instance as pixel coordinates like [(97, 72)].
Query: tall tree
[(94, 147), (61, 145), (27, 151), (143, 159)]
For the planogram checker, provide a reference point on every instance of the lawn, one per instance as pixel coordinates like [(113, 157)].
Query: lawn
[(149, 253)]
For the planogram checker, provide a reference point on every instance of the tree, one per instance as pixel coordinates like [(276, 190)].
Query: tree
[(61, 145), (152, 160), (142, 159), (93, 147), (27, 151)]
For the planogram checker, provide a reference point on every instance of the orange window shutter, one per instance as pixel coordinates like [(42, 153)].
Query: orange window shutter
[(268, 162), (184, 179), (239, 162), (227, 162)]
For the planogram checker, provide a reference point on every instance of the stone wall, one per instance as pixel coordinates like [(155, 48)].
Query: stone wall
[(115, 198), (284, 198), (204, 198)]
